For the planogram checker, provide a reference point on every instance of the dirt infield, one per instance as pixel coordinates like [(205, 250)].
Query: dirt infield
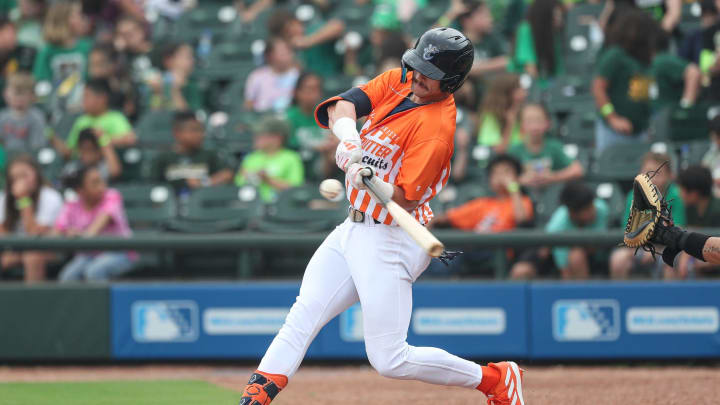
[(361, 385)]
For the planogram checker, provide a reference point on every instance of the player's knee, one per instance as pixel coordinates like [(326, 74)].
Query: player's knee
[(522, 271), (388, 361), (577, 257)]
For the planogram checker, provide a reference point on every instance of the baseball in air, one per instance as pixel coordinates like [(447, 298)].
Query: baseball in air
[(332, 189)]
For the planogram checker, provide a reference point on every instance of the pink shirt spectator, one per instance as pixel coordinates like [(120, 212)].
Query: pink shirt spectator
[(74, 216), (270, 91)]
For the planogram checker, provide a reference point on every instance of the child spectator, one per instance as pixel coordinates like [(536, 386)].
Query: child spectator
[(490, 50), (711, 159), (13, 57), (176, 89), (316, 145), (499, 113), (315, 44), (580, 210), (104, 65), (677, 80), (188, 166), (702, 211), (91, 154), (543, 158), (97, 211), (28, 207), (270, 87), (709, 60), (22, 126), (538, 47), (28, 18), (110, 126), (624, 260), (133, 47), (65, 56), (504, 211), (271, 166), (622, 82)]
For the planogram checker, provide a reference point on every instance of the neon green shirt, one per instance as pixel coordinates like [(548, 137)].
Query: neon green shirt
[(112, 123), (284, 165), (490, 133)]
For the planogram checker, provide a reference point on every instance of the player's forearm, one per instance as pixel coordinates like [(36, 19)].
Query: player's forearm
[(711, 250), (341, 109), (399, 197)]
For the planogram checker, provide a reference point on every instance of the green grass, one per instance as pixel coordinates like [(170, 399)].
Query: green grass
[(157, 392)]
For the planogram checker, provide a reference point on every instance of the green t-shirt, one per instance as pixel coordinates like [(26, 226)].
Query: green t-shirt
[(322, 58), (490, 46), (112, 123), (525, 54), (191, 93), (560, 222), (284, 165), (628, 86), (677, 206), (304, 132), (551, 157), (710, 219), (176, 168), (490, 133), (669, 73), (57, 63)]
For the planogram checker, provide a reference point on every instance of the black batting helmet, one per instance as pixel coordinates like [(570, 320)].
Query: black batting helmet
[(443, 54)]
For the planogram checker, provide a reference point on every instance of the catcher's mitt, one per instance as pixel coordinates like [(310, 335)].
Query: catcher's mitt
[(649, 214)]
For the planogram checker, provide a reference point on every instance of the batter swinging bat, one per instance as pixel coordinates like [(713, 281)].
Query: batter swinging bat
[(419, 233)]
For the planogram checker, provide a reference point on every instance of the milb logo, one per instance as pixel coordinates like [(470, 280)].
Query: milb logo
[(586, 320), (164, 321)]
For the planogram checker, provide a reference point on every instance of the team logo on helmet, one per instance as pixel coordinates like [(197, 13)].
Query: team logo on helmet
[(430, 51)]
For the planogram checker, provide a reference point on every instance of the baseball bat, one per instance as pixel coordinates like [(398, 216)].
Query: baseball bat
[(419, 233)]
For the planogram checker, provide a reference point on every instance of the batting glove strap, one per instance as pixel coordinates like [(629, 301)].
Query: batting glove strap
[(347, 153)]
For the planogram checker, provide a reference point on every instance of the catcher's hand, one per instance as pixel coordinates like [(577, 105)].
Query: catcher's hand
[(649, 217)]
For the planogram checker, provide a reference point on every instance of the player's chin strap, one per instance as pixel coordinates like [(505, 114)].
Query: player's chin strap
[(448, 255)]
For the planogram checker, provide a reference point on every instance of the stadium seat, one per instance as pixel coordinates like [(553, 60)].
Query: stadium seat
[(50, 163), (135, 163), (579, 128), (219, 209), (335, 85), (62, 127), (231, 96), (234, 136), (619, 162), (546, 200), (205, 18), (154, 129), (302, 209), (469, 191), (614, 196), (688, 124), (148, 206)]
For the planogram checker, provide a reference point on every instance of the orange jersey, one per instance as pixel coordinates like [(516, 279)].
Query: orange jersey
[(411, 149), (487, 214)]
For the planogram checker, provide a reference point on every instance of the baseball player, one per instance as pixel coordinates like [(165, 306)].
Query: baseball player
[(406, 144)]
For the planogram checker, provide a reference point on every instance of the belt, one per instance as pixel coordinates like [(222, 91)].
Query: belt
[(358, 216)]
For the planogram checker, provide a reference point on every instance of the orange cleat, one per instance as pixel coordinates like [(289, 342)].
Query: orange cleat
[(508, 390), (262, 388)]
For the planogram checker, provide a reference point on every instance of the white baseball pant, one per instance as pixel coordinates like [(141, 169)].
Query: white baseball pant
[(377, 265)]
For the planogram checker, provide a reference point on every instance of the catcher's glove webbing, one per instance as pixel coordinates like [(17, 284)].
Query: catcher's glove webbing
[(650, 218)]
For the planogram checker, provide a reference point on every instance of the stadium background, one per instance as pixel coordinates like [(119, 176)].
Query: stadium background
[(220, 265)]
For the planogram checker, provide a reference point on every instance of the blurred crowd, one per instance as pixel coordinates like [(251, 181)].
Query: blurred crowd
[(566, 102)]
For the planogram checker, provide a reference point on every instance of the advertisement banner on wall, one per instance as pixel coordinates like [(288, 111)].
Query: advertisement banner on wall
[(625, 320), (240, 320)]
